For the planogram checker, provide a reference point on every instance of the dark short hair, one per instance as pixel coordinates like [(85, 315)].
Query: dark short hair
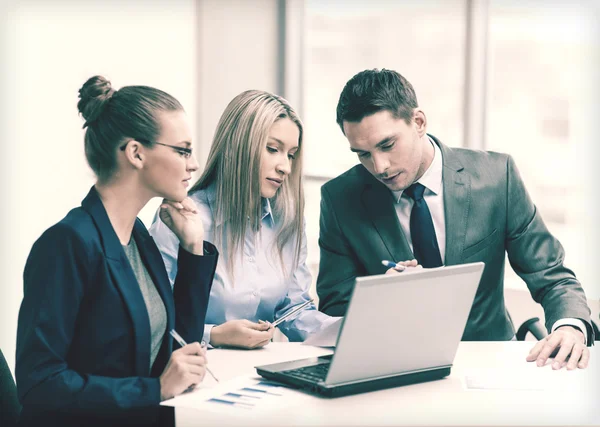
[(112, 116), (371, 91)]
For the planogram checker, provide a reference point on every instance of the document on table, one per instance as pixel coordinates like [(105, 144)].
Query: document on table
[(326, 337), (530, 377), (239, 396)]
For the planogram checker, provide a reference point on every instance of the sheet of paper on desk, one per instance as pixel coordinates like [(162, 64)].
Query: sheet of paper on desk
[(239, 396), (326, 337), (529, 378)]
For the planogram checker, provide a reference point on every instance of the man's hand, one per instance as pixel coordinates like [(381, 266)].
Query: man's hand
[(403, 265), (569, 342)]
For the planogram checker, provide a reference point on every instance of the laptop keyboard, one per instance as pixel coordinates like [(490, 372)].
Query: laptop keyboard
[(313, 373)]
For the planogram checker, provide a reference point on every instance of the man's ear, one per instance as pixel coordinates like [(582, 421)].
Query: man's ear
[(134, 154), (420, 121)]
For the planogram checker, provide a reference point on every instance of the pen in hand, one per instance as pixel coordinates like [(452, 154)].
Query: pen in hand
[(391, 264), (182, 343), (290, 313)]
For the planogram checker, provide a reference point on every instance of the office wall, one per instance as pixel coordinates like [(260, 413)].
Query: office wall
[(237, 45), (49, 49)]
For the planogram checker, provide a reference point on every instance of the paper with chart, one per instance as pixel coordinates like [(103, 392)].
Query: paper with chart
[(326, 337), (242, 395)]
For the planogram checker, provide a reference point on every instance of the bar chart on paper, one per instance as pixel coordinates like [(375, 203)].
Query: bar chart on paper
[(257, 394), (240, 395)]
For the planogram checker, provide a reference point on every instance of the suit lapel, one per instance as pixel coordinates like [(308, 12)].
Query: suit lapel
[(457, 201), (124, 279), (379, 204)]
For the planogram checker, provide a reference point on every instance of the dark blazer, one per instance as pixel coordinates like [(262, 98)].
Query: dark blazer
[(488, 213), (83, 340)]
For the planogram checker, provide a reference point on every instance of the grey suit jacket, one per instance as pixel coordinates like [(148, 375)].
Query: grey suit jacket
[(488, 213)]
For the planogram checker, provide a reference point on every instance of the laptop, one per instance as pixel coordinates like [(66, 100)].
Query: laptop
[(399, 329)]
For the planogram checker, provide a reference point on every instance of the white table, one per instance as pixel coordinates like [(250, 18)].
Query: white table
[(568, 397)]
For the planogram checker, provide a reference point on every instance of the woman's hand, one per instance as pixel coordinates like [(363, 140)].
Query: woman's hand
[(241, 333), (184, 220), (185, 369)]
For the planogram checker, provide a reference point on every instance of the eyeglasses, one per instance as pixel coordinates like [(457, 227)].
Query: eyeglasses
[(185, 152)]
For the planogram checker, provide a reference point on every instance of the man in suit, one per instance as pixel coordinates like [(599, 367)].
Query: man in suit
[(414, 197)]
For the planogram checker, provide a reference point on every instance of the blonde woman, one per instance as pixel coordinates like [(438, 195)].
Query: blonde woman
[(251, 201)]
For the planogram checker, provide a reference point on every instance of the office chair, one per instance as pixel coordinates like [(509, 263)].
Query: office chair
[(534, 326), (538, 330), (9, 403)]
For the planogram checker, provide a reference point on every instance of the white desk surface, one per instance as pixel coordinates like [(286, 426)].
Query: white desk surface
[(568, 397)]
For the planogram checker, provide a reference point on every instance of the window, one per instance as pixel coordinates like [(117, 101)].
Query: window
[(542, 67), (543, 73)]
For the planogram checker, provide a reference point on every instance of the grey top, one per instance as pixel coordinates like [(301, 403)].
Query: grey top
[(154, 304)]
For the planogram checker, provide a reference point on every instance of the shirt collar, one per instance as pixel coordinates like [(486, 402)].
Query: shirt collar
[(432, 178), (267, 214)]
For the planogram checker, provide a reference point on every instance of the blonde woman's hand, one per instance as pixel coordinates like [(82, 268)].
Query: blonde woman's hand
[(184, 220), (241, 333), (403, 265)]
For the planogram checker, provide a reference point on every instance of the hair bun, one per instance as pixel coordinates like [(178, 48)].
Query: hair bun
[(94, 96)]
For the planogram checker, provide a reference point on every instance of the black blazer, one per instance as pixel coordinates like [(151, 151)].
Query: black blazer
[(83, 340)]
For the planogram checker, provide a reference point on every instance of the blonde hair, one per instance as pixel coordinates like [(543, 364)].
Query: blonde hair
[(233, 165)]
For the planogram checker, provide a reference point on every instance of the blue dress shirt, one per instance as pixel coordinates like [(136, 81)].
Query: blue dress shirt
[(260, 289)]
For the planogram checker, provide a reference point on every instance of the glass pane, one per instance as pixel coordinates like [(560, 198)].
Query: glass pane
[(542, 107), (424, 41)]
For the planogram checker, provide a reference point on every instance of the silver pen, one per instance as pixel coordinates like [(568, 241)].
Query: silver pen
[(182, 342), (292, 311)]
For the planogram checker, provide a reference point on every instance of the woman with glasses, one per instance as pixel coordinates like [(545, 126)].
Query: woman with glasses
[(251, 202), (93, 343)]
